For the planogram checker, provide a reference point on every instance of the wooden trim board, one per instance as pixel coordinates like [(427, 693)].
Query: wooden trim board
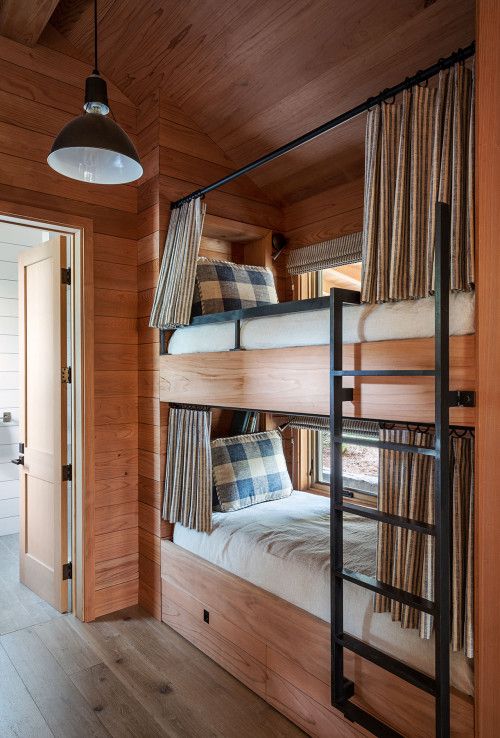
[(297, 379), (283, 653), (487, 498)]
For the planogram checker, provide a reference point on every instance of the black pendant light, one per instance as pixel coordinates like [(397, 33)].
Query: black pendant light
[(93, 148)]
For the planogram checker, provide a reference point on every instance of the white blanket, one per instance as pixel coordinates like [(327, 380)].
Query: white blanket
[(392, 320), (284, 547)]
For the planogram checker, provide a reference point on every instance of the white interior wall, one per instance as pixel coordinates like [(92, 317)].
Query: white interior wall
[(13, 239)]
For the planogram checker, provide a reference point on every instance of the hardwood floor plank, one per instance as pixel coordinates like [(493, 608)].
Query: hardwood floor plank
[(64, 708), (68, 649), (115, 705), (19, 715), (176, 683), (19, 606)]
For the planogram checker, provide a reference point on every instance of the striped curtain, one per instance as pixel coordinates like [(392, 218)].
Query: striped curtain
[(333, 253), (405, 559), (416, 153), (173, 298), (188, 473)]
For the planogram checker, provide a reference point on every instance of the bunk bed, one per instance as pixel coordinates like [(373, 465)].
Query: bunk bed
[(326, 680)]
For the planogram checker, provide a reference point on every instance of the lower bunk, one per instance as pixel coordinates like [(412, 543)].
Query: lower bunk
[(254, 596)]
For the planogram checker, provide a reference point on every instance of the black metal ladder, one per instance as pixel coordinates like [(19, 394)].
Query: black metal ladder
[(439, 608)]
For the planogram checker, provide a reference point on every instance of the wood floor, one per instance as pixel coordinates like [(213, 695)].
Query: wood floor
[(122, 675)]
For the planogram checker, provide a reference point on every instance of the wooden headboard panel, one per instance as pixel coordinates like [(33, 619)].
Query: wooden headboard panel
[(297, 379)]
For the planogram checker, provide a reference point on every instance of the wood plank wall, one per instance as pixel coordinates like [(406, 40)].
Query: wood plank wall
[(487, 554), (332, 213), (40, 91), (178, 158)]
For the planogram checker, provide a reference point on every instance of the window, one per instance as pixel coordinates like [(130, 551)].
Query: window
[(348, 277), (359, 465)]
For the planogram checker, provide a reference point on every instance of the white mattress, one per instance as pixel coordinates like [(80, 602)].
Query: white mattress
[(283, 547), (392, 320)]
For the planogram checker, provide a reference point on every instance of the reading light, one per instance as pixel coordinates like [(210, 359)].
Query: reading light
[(93, 148)]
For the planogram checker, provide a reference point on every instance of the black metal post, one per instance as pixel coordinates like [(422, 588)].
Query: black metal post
[(336, 498), (442, 503)]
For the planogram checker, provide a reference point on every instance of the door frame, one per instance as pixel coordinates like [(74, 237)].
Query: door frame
[(81, 232)]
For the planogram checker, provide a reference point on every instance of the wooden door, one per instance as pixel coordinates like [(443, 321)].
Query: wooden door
[(43, 421)]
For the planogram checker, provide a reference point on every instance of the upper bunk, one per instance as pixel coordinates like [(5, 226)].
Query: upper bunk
[(295, 379), (277, 357)]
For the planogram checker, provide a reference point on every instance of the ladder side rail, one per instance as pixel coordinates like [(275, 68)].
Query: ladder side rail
[(336, 497), (442, 502)]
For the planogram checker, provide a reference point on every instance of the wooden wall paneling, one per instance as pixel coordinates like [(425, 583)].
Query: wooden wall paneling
[(150, 416), (487, 553), (224, 204), (41, 90), (335, 212), (55, 65)]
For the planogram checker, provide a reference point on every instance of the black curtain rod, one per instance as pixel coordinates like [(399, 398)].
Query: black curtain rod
[(387, 94)]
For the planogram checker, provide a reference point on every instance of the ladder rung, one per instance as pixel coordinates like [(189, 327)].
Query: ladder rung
[(383, 373), (388, 445), (387, 590), (389, 663), (366, 720), (382, 517)]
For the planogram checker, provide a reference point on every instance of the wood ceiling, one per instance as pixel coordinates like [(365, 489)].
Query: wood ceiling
[(253, 74)]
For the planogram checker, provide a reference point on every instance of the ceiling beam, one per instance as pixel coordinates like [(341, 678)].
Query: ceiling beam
[(24, 21)]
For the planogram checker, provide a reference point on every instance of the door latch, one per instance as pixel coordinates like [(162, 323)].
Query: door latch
[(66, 375), (67, 571), (20, 460)]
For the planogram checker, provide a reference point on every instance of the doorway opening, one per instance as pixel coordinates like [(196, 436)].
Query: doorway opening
[(40, 422)]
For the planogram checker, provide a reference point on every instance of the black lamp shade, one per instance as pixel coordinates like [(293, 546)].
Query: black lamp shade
[(93, 148)]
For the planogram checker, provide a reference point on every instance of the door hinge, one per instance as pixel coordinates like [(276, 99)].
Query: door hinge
[(65, 275), (68, 571), (66, 375), (67, 474)]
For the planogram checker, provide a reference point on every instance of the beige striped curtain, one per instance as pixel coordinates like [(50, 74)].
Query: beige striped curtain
[(173, 298), (418, 152), (333, 253), (405, 559), (188, 473)]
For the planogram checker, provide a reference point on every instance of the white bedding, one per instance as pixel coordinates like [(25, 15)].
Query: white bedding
[(283, 547), (391, 320)]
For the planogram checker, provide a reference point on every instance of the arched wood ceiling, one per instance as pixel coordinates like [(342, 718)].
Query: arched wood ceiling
[(254, 74)]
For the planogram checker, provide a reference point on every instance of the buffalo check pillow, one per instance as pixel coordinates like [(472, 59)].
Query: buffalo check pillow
[(249, 469), (221, 286)]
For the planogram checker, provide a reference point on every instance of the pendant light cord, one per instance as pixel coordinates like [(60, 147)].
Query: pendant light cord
[(96, 70)]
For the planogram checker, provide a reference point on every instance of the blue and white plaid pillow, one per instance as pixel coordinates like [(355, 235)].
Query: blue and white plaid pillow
[(222, 286), (249, 469)]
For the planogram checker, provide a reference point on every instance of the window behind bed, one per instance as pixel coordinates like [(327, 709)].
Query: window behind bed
[(360, 466)]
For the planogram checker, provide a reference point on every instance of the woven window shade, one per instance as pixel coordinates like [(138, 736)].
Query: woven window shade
[(334, 253), (350, 426)]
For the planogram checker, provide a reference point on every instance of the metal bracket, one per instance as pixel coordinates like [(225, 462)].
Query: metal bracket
[(67, 571), (67, 473), (66, 375), (65, 275), (462, 398)]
